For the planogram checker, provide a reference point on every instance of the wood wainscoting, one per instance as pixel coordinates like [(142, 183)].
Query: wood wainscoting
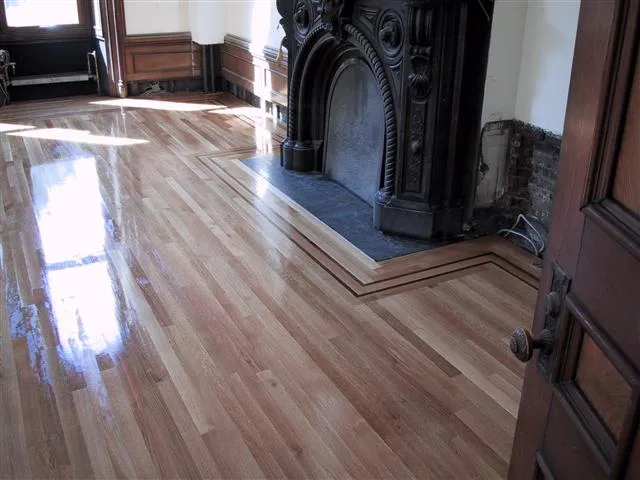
[(162, 57), (258, 72)]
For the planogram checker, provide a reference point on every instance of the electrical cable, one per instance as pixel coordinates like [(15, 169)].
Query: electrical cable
[(511, 231), (154, 87), (540, 237)]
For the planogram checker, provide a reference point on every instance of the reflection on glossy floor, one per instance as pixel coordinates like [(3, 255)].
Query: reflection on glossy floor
[(162, 316)]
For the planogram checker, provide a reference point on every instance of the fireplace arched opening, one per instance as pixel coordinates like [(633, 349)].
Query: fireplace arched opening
[(429, 63), (321, 57)]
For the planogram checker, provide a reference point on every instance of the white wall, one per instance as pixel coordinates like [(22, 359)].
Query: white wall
[(530, 60), (257, 21), (505, 51), (160, 16), (530, 54), (547, 56), (208, 20)]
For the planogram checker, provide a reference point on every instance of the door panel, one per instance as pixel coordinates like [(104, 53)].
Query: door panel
[(626, 187), (607, 282), (602, 386), (565, 449), (579, 417), (542, 468)]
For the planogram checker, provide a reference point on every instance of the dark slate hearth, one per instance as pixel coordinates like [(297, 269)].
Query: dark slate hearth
[(340, 209)]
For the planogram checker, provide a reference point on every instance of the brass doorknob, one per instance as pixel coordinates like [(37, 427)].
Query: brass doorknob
[(522, 344)]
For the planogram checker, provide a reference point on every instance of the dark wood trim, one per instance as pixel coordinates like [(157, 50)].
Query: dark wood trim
[(161, 57), (602, 443), (567, 395), (615, 108), (622, 225), (594, 52), (250, 70), (570, 345), (543, 466), (112, 15), (26, 35), (269, 53), (617, 454), (154, 39), (132, 58), (603, 341), (598, 438)]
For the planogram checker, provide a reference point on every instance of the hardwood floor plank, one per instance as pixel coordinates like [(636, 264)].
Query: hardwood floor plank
[(303, 438), (233, 463), (224, 440), (130, 435), (63, 389), (285, 456), (14, 460), (114, 432), (337, 419), (440, 336), (415, 340), (166, 446), (337, 254), (478, 465), (481, 425), (265, 458), (96, 445), (162, 344), (193, 441), (319, 406), (44, 437), (192, 321)]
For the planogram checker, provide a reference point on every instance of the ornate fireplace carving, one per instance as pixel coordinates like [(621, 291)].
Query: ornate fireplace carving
[(428, 58)]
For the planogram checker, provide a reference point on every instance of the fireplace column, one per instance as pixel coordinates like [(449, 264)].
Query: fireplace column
[(429, 58)]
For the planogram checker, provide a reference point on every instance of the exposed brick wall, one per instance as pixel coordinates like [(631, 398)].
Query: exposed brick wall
[(542, 182), (528, 187), (522, 145)]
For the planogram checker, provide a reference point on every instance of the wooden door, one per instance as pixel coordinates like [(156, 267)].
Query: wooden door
[(578, 416)]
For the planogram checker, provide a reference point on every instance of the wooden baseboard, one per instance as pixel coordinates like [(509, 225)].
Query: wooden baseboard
[(161, 57), (256, 71)]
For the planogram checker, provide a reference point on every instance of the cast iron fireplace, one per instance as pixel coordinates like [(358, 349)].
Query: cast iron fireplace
[(385, 98)]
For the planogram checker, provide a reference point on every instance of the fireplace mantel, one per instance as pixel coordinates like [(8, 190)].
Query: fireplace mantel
[(428, 58)]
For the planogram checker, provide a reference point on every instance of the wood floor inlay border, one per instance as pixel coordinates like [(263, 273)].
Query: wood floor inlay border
[(358, 273)]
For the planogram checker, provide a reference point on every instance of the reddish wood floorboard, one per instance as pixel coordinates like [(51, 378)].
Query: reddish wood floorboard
[(164, 314)]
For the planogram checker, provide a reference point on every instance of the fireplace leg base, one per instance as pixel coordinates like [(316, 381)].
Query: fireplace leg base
[(298, 156), (402, 218)]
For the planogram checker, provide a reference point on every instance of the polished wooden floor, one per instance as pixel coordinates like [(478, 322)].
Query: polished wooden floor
[(164, 312)]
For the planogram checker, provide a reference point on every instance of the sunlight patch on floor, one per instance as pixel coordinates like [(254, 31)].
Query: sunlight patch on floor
[(79, 136), (252, 112), (10, 127), (158, 105), (69, 213)]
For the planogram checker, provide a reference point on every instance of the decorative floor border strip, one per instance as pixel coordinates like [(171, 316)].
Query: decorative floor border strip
[(358, 288)]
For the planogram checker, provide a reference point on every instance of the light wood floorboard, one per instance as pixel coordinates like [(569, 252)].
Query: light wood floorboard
[(164, 312)]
